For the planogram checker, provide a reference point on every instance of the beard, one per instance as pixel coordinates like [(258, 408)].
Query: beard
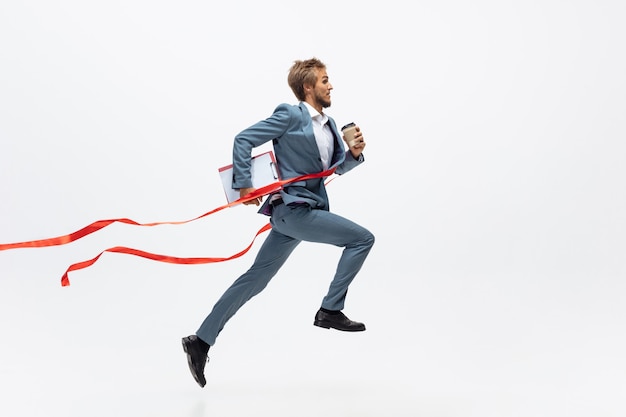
[(323, 100)]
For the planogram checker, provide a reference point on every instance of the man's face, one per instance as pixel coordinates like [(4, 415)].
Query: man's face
[(321, 90)]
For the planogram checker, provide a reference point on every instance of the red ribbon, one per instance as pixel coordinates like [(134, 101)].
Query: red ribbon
[(100, 224), (65, 281)]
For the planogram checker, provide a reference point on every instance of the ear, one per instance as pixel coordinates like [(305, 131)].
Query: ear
[(308, 90)]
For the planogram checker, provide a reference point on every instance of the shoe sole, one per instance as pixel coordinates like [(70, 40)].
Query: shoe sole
[(190, 362), (327, 325)]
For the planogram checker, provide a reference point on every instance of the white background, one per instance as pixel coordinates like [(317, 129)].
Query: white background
[(494, 184)]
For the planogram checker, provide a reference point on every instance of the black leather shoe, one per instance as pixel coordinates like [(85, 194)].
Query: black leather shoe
[(196, 358), (337, 321)]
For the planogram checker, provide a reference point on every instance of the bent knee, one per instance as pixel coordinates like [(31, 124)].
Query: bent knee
[(369, 239)]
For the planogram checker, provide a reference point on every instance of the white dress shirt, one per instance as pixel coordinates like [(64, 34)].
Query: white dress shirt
[(323, 135)]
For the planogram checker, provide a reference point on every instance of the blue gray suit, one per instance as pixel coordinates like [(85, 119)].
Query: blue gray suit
[(304, 215)]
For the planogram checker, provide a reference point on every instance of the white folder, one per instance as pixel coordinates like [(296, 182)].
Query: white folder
[(263, 170)]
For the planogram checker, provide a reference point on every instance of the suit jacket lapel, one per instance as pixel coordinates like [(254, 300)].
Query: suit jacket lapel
[(307, 123), (339, 153)]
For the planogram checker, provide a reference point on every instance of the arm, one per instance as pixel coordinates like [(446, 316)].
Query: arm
[(354, 155), (250, 138)]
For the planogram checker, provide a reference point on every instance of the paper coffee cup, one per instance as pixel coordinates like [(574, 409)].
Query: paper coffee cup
[(349, 131)]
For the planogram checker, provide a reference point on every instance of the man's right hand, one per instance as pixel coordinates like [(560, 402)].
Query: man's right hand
[(244, 192)]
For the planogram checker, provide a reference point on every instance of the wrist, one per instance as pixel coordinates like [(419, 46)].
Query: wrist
[(358, 157)]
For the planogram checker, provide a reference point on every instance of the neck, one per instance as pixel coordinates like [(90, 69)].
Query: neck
[(317, 106)]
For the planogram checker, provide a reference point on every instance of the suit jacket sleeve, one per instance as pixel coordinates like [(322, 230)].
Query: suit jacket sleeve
[(256, 135)]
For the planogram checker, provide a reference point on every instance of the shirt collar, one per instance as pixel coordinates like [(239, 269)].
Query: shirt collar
[(322, 118)]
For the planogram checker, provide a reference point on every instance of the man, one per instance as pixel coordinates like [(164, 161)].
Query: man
[(306, 141)]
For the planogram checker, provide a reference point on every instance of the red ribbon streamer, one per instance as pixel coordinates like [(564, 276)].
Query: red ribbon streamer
[(100, 224), (65, 281)]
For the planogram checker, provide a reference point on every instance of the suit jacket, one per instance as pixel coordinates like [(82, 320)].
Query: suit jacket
[(290, 129)]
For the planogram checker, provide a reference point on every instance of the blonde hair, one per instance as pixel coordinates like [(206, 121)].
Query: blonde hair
[(303, 73)]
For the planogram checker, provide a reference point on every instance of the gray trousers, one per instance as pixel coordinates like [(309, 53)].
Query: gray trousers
[(290, 226)]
